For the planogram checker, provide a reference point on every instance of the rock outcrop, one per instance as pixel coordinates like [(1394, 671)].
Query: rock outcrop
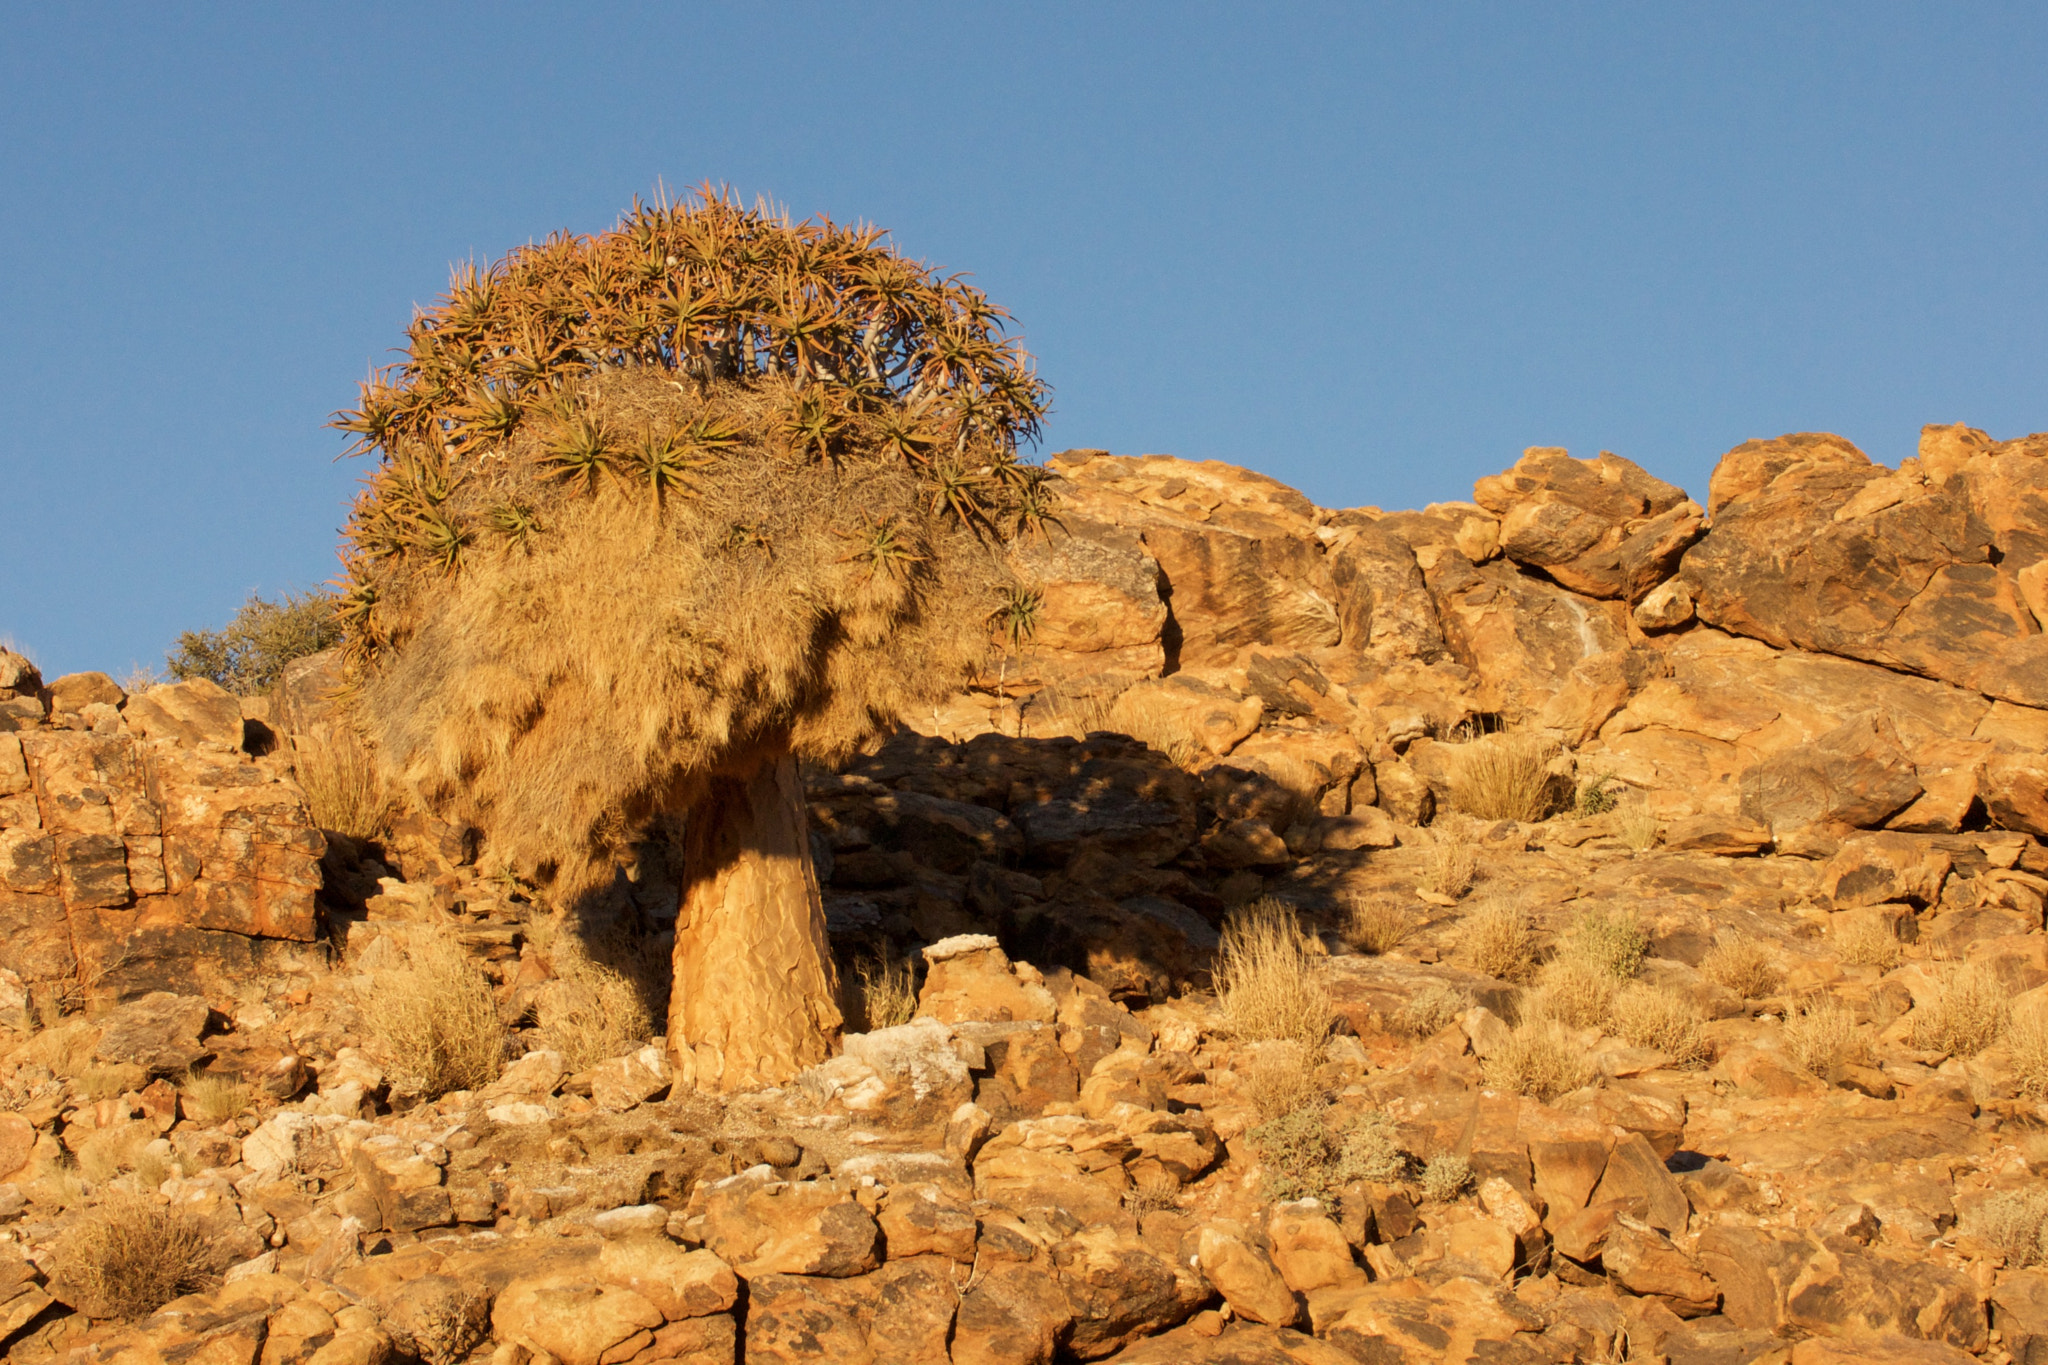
[(1671, 883)]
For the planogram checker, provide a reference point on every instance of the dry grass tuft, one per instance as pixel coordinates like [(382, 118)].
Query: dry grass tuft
[(1453, 861), (1635, 824), (1823, 1037), (1445, 1177), (1504, 777), (1282, 1079), (1269, 980), (65, 1048), (1498, 941), (1970, 1010), (130, 1256), (1378, 924), (1863, 939), (1659, 1018), (1575, 991), (1542, 1059), (215, 1099), (2026, 1045), (1743, 966), (2015, 1222), (1613, 940), (888, 988), (1141, 714), (1153, 1190), (592, 1009), (436, 1019), (105, 1082), (344, 791), (1432, 1009)]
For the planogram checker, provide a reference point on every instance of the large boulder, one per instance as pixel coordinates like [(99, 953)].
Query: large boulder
[(1602, 527), (1925, 569)]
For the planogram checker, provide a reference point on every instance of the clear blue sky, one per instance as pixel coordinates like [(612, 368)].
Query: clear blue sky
[(1372, 250)]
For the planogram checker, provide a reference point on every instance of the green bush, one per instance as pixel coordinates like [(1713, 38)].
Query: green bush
[(249, 655)]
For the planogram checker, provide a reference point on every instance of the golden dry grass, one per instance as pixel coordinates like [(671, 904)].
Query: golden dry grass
[(1865, 939), (1282, 1078), (1496, 940), (1822, 1035), (1969, 1010), (344, 791), (2026, 1046), (1431, 1010), (1662, 1019), (1378, 924), (1743, 966), (130, 1256), (888, 988), (1634, 823), (1141, 714), (1575, 991), (1504, 777), (1268, 978), (215, 1099), (435, 1019), (2015, 1222), (1452, 860), (1541, 1059), (594, 1009)]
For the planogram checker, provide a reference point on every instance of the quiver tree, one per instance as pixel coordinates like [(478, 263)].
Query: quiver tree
[(656, 514)]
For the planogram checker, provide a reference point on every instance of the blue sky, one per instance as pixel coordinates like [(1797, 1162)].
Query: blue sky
[(1372, 250)]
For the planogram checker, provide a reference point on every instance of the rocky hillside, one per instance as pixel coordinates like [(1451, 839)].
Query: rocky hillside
[(1631, 919)]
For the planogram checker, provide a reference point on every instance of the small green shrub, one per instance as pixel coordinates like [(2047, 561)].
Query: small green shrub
[(1305, 1157), (248, 656)]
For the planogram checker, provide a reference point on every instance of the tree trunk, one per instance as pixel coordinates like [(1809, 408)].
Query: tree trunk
[(755, 998)]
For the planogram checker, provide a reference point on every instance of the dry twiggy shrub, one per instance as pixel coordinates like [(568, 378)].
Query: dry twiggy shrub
[(1269, 980), (1863, 939), (1969, 1011), (1741, 965), (1635, 824), (1452, 860), (1575, 991), (435, 1018), (1613, 940), (344, 791), (1659, 1018), (2026, 1046), (1431, 1010), (1378, 924), (130, 1256), (888, 988), (1371, 1150), (215, 1099), (1445, 1177), (1822, 1035), (1504, 777), (1497, 940), (1305, 1156), (1541, 1059), (2015, 1222)]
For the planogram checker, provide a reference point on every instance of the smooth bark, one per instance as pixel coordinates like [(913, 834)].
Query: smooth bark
[(754, 1000)]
